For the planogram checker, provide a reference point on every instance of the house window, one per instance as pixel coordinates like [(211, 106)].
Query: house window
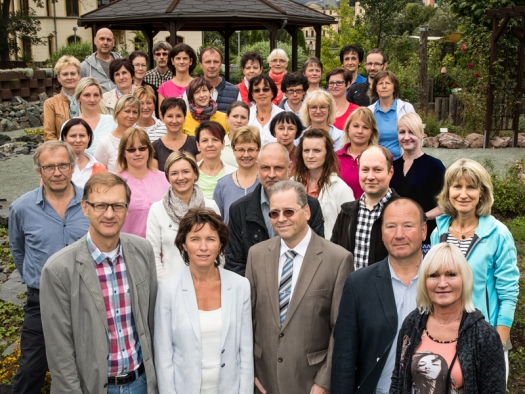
[(72, 8), (73, 40), (26, 48), (312, 34), (306, 33)]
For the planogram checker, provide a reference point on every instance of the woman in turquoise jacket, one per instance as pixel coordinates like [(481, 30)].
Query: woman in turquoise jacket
[(466, 201)]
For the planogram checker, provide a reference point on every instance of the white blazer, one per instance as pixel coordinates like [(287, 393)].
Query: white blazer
[(177, 340), (161, 232), (331, 198)]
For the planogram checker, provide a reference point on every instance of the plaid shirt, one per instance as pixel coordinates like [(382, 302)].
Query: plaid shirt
[(365, 221), (124, 346), (153, 77)]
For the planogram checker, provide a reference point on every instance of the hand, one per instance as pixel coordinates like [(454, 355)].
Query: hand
[(260, 386), (316, 389)]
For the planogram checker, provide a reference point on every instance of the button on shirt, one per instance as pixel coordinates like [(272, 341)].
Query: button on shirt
[(124, 346), (37, 231), (265, 207), (405, 297), (387, 126), (300, 249)]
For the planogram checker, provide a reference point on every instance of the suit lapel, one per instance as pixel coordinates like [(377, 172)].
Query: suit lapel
[(226, 305), (386, 292), (271, 262), (311, 263), (190, 302)]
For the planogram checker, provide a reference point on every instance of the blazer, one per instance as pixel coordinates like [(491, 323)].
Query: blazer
[(365, 330), (109, 102), (178, 354), (290, 358), (56, 113), (74, 316)]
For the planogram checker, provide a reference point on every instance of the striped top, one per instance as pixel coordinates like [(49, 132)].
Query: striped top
[(463, 244)]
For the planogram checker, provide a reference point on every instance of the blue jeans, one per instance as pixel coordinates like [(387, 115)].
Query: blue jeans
[(139, 386)]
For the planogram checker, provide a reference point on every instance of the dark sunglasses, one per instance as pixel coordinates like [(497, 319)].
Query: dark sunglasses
[(133, 150), (287, 213), (259, 90)]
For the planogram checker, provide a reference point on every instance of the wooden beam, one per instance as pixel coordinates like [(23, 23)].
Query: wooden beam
[(318, 30), (423, 57), (226, 34), (172, 6), (293, 31)]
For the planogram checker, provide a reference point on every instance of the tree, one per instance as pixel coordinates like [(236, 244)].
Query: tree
[(413, 16), (379, 17)]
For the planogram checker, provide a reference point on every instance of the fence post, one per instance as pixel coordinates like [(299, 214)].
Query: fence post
[(438, 101), (453, 102)]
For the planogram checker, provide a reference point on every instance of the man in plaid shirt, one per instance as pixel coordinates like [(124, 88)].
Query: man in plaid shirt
[(358, 225), (161, 73), (98, 300)]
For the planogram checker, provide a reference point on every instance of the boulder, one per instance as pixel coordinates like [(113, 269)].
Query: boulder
[(430, 142), (22, 151), (452, 141), (521, 140), (4, 139), (499, 142), (475, 140)]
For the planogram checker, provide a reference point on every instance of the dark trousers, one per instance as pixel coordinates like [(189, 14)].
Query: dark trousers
[(32, 362)]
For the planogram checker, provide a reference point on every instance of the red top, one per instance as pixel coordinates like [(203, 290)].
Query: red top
[(350, 170), (341, 120)]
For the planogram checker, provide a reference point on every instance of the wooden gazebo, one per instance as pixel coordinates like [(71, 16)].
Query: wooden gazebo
[(223, 16)]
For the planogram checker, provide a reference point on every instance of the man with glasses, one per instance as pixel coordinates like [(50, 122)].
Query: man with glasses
[(294, 86), (161, 73), (98, 301), (296, 285), (376, 61), (249, 221), (42, 222)]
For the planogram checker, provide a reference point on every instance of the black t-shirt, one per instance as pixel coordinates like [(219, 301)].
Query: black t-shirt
[(162, 151)]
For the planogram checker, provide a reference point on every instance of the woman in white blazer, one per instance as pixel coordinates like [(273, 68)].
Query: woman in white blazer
[(164, 216), (317, 168), (203, 320)]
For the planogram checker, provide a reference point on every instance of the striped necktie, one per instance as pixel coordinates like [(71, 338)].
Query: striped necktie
[(285, 285)]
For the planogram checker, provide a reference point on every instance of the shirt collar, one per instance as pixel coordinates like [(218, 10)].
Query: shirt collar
[(301, 247), (97, 255), (381, 202), (342, 151), (392, 108), (395, 277), (75, 200)]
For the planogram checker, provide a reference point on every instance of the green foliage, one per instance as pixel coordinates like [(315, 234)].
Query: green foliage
[(139, 42), (413, 16), (11, 318), (379, 17), (80, 50), (475, 10), (517, 228), (21, 24), (509, 188), (431, 124), (443, 21)]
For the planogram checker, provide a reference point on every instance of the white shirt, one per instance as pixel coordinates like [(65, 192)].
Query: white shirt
[(211, 334), (266, 136), (300, 249), (80, 177)]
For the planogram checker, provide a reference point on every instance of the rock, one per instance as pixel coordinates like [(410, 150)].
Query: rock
[(2, 268), (521, 140), (34, 121), (11, 289), (430, 142), (2, 276), (23, 119), (452, 141), (42, 96), (25, 125), (4, 139), (22, 151), (499, 142), (475, 140), (9, 126), (16, 125), (12, 114), (2, 155)]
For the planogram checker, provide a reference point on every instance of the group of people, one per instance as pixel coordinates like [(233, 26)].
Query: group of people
[(194, 236)]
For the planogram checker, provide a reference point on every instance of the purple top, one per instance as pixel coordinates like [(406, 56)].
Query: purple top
[(169, 89), (144, 192), (350, 170)]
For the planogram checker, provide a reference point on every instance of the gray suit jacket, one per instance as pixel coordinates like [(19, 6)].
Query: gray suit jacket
[(292, 357), (178, 355), (74, 315)]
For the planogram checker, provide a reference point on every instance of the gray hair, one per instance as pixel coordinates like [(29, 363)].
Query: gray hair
[(276, 145), (284, 186), (161, 45), (53, 145)]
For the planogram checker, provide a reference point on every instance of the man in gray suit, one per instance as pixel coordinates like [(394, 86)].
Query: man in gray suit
[(98, 300), (296, 281)]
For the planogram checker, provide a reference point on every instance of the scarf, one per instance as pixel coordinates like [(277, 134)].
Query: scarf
[(74, 106), (176, 208), (120, 94), (277, 78), (203, 113)]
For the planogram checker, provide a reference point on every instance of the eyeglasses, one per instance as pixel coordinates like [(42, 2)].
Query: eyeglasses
[(103, 206), (161, 54), (242, 151), (50, 169), (259, 90), (294, 91), (315, 108), (278, 61), (374, 64), (140, 149), (336, 83), (141, 65), (287, 213)]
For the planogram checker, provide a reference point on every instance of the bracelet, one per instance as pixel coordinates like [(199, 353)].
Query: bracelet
[(503, 343)]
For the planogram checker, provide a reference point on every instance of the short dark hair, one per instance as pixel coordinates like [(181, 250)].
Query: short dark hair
[(73, 122), (172, 102), (107, 180), (379, 51), (351, 48), (254, 56), (312, 60), (287, 117), (379, 77), (196, 85), (211, 48), (117, 64), (268, 82), (186, 49), (137, 54), (200, 217), (294, 79), (347, 77), (214, 128)]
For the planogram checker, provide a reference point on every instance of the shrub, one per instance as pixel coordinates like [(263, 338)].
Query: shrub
[(78, 50), (509, 188)]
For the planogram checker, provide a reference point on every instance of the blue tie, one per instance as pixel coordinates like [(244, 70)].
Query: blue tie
[(285, 285)]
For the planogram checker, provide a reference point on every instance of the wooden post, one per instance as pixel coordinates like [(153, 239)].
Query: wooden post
[(430, 88), (318, 38), (293, 32), (438, 107), (444, 108), (423, 41), (453, 102)]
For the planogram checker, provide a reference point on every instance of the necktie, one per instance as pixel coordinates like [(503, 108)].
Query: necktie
[(285, 285)]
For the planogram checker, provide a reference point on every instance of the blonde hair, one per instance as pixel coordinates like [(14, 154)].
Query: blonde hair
[(319, 97), (145, 90), (247, 134), (368, 118), (473, 173), (85, 83), (413, 122), (181, 155), (66, 61), (444, 257), (129, 138), (127, 100), (277, 52)]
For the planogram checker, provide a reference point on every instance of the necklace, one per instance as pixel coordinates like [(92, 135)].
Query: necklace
[(239, 183), (437, 340), (463, 234), (444, 324), (263, 116)]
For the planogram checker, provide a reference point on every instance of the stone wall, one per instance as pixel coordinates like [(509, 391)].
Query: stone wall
[(13, 84)]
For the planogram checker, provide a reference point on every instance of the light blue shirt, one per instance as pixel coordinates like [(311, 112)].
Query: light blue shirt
[(265, 206), (36, 231), (387, 126), (405, 297)]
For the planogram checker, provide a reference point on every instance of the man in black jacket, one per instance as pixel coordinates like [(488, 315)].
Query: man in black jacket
[(249, 221), (358, 94)]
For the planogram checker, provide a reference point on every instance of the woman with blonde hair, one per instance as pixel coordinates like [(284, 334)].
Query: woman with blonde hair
[(278, 61), (466, 201), (148, 185), (62, 106), (417, 175), (182, 172), (155, 128), (318, 112), (446, 346), (127, 112), (360, 132)]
